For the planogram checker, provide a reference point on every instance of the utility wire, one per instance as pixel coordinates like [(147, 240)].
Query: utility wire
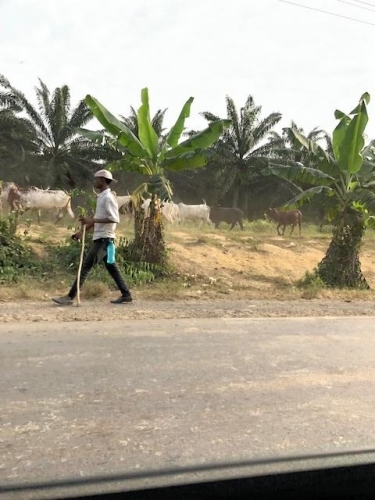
[(365, 3), (357, 6), (157, 473), (326, 12)]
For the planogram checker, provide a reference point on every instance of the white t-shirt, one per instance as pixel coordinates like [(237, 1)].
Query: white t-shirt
[(106, 208)]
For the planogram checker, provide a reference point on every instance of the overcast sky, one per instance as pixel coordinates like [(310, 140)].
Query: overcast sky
[(302, 63)]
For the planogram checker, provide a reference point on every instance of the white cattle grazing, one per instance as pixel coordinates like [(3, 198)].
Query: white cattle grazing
[(124, 203), (40, 199), (125, 207), (199, 213), (169, 210)]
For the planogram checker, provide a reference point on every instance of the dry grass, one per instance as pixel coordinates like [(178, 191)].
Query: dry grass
[(94, 290), (22, 291), (209, 263)]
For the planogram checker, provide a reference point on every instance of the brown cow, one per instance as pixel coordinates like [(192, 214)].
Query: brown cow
[(286, 218), (14, 198)]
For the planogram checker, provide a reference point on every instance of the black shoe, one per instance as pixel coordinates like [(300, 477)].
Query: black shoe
[(123, 299), (63, 301)]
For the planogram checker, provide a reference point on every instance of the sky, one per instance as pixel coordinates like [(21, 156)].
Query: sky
[(293, 60)]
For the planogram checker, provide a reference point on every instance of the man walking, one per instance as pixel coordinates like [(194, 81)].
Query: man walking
[(104, 224)]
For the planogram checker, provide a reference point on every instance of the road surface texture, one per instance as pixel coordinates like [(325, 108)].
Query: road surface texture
[(101, 309), (91, 398)]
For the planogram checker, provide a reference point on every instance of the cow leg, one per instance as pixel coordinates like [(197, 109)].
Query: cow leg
[(291, 231), (241, 224), (217, 225), (232, 225), (168, 218), (278, 230), (283, 231), (59, 215)]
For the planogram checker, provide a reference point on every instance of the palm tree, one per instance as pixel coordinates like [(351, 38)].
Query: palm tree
[(242, 150), (286, 146), (345, 174), (17, 135), (66, 158)]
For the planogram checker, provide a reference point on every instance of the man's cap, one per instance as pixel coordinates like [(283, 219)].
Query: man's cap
[(106, 174)]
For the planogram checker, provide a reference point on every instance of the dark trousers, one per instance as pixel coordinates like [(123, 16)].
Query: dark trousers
[(96, 254)]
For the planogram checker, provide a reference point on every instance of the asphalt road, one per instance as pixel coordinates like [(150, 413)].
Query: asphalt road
[(91, 398)]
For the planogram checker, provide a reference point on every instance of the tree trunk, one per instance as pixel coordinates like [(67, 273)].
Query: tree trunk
[(341, 267), (246, 204), (149, 243), (236, 195)]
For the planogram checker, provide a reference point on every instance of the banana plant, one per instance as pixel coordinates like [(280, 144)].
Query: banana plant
[(149, 154), (346, 176)]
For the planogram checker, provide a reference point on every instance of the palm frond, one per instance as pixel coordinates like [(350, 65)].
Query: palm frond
[(157, 121), (232, 115), (81, 115), (265, 125), (34, 116)]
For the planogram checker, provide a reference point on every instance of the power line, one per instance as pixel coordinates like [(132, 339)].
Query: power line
[(326, 12), (358, 6), (366, 3)]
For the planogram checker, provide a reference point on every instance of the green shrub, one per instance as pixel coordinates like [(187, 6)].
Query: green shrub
[(310, 280), (16, 258), (260, 226)]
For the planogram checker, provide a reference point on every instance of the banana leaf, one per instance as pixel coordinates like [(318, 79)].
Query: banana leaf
[(201, 140), (350, 159), (175, 132), (300, 174), (190, 160), (123, 134), (146, 132), (306, 196)]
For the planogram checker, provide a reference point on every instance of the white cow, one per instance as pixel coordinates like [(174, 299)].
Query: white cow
[(123, 203), (199, 213), (125, 207), (41, 199), (169, 210)]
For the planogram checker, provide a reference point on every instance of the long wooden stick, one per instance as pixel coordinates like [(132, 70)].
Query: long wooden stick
[(80, 265)]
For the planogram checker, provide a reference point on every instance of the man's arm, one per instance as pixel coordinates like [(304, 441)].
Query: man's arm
[(89, 221), (103, 221)]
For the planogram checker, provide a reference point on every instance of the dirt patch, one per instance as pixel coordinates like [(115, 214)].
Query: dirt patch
[(247, 264)]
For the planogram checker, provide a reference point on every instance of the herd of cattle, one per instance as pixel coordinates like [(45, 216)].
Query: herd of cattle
[(59, 203)]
